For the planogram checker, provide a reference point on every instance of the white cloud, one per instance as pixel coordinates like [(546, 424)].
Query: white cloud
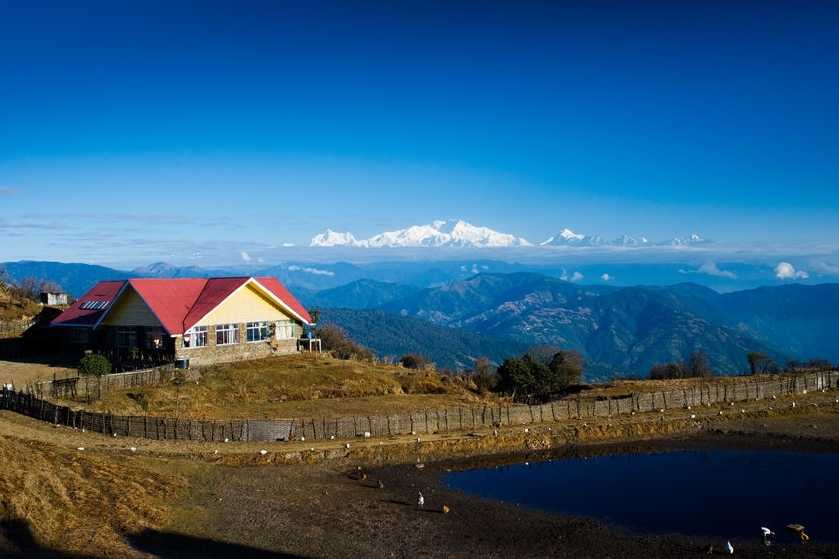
[(577, 276), (287, 245), (785, 271), (606, 277), (710, 268), (245, 256), (314, 271), (827, 268)]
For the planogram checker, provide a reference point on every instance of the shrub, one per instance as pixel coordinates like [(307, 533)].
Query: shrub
[(336, 342), (413, 361), (695, 367), (94, 364), (528, 376), (485, 375)]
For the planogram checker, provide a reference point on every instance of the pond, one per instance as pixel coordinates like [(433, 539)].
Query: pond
[(725, 493)]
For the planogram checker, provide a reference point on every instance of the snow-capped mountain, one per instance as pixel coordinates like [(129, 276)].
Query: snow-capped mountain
[(330, 238), (436, 234), (629, 241), (567, 237), (694, 239)]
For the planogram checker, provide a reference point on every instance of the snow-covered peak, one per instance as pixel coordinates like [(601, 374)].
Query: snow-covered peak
[(693, 239), (330, 238), (629, 241), (438, 233), (567, 237)]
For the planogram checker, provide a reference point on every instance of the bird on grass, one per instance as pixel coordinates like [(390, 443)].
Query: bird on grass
[(799, 530), (767, 535), (420, 501), (729, 548)]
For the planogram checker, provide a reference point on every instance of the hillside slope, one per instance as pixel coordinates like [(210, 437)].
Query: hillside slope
[(619, 330), (392, 335)]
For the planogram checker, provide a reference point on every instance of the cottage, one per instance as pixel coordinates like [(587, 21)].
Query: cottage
[(194, 321), (54, 298)]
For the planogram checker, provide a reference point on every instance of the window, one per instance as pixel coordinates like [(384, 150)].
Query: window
[(196, 337), (257, 331), (126, 337), (227, 334), (285, 330)]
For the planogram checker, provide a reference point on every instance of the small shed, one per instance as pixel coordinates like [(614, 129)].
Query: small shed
[(54, 298)]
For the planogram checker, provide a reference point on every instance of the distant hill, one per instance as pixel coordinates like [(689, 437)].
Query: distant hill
[(75, 278), (393, 335), (361, 294), (625, 330)]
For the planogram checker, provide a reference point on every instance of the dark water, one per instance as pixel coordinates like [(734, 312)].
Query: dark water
[(726, 493)]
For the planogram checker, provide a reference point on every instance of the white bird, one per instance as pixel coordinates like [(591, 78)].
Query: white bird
[(729, 548), (420, 501), (767, 535)]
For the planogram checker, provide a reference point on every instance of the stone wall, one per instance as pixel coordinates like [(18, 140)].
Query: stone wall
[(212, 353)]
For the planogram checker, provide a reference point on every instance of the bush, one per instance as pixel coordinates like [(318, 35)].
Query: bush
[(695, 367), (485, 376), (94, 364), (336, 342), (528, 376), (413, 361)]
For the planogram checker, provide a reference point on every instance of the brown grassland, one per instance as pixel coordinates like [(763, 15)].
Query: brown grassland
[(294, 386)]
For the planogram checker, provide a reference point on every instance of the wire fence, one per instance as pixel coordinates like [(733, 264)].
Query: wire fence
[(428, 421)]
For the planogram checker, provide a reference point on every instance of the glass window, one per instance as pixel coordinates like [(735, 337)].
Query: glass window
[(257, 331), (196, 337), (227, 334), (285, 330), (126, 337)]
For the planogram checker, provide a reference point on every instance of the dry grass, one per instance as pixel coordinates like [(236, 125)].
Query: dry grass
[(78, 501), (19, 373), (293, 386), (619, 388), (16, 307)]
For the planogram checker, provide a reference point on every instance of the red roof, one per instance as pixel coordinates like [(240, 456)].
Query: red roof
[(79, 315), (178, 303)]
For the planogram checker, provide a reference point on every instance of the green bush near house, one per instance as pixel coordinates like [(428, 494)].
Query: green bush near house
[(93, 364)]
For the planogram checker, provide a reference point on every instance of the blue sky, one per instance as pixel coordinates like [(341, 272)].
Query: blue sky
[(137, 131)]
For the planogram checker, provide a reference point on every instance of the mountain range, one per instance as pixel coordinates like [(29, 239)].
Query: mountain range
[(461, 234), (623, 331), (422, 306), (440, 233)]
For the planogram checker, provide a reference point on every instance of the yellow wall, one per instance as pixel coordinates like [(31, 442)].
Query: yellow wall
[(130, 310), (245, 305)]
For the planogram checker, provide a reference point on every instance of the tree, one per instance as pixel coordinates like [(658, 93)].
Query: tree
[(661, 371), (485, 375), (520, 375), (527, 376), (566, 369), (94, 364), (543, 353), (755, 359), (697, 365)]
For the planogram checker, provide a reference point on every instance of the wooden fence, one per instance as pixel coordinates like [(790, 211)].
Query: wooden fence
[(432, 421), (91, 388)]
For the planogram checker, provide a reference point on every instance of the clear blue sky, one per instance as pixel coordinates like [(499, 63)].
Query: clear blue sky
[(129, 126)]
